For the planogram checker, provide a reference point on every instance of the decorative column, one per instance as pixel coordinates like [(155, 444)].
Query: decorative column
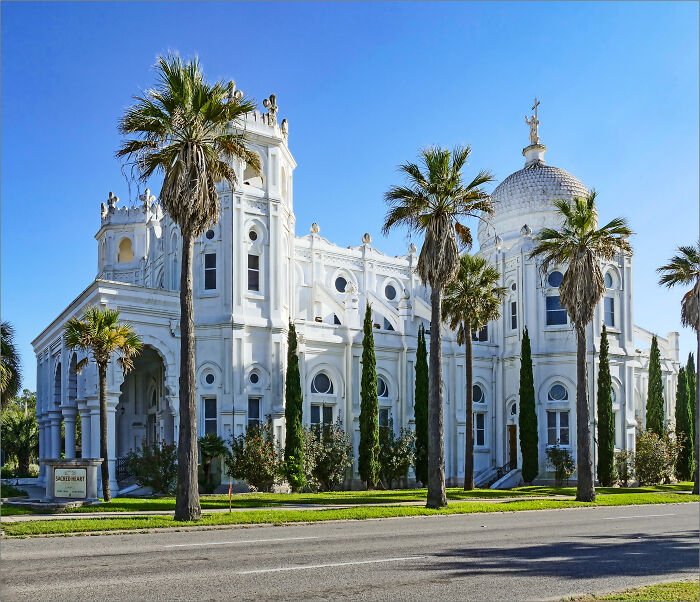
[(43, 449), (55, 422), (112, 401), (86, 450), (69, 416), (94, 431)]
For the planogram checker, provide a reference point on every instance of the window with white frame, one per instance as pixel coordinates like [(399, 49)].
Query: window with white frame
[(253, 272), (382, 387), (556, 314), (384, 418), (209, 271), (322, 384), (321, 415), (209, 415), (478, 394), (609, 306), (479, 429), (254, 418), (608, 280), (557, 392), (558, 427), (481, 335), (514, 315)]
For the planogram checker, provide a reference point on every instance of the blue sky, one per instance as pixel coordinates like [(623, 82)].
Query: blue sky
[(364, 86)]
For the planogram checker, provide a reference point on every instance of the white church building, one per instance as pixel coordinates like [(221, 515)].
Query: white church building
[(253, 273)]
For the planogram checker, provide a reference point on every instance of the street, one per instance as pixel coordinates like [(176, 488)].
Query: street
[(509, 556)]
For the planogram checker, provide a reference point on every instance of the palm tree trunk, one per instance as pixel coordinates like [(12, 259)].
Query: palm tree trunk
[(436, 448), (106, 493), (697, 415), (187, 506), (469, 412), (585, 490)]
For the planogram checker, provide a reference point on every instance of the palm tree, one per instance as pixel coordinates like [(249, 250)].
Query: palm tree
[(10, 375), (684, 269), (100, 333), (182, 130), (20, 436), (581, 245), (471, 301), (433, 202)]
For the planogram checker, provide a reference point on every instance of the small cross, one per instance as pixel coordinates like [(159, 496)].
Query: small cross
[(534, 107)]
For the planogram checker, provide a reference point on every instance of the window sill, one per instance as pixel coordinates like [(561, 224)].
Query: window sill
[(208, 294), (612, 329), (257, 296), (557, 327), (482, 450)]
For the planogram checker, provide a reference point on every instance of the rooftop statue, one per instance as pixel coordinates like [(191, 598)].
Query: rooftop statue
[(533, 123)]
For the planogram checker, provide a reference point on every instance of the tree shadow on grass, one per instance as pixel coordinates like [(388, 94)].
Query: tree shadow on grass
[(595, 557)]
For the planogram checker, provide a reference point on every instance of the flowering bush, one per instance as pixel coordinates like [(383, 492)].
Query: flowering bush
[(327, 456), (154, 466), (395, 454), (255, 457), (560, 459), (624, 464), (655, 457)]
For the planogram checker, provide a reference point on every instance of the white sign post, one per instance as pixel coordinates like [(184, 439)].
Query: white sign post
[(70, 483)]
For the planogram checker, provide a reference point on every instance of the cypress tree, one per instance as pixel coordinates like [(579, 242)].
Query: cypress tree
[(655, 392), (293, 445), (691, 377), (684, 462), (527, 419), (420, 410), (368, 460), (606, 420)]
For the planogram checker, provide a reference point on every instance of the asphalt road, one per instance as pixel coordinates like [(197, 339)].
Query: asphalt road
[(512, 556)]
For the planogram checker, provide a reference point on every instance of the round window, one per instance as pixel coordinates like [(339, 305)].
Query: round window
[(613, 397), (209, 378), (340, 284), (478, 394), (513, 287), (321, 384), (254, 378), (253, 235), (513, 409), (555, 279), (382, 388), (608, 280), (209, 234), (390, 292), (558, 393)]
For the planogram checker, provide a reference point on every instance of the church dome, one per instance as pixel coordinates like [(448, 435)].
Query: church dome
[(526, 198)]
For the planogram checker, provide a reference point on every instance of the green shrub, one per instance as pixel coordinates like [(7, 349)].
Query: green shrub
[(211, 447), (154, 466), (561, 461), (10, 491), (655, 457), (395, 454), (20, 438), (327, 456), (624, 467), (255, 457)]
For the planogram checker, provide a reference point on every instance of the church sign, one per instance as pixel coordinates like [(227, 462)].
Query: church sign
[(70, 483)]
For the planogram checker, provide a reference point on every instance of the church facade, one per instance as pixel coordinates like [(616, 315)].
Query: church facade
[(253, 273)]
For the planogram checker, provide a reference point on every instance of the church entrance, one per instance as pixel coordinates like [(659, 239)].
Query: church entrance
[(513, 446)]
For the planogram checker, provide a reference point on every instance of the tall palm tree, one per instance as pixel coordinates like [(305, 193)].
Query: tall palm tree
[(182, 130), (10, 374), (684, 269), (471, 301), (100, 333), (581, 246), (434, 202)]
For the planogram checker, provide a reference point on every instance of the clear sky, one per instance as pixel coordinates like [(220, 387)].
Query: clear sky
[(364, 86)]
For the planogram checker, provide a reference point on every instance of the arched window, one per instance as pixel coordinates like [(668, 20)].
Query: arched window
[(340, 284), (608, 280), (554, 279), (382, 387), (126, 253), (558, 392), (322, 384), (478, 394), (252, 177)]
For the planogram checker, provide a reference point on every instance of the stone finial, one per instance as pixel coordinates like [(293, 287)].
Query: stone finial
[(112, 201), (147, 199), (526, 230), (233, 95), (271, 105), (315, 229), (350, 288), (498, 241), (366, 238), (103, 210), (412, 249), (285, 128)]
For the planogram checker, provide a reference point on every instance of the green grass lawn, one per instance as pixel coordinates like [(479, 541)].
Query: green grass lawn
[(681, 591), (263, 500), (359, 512), (10, 491)]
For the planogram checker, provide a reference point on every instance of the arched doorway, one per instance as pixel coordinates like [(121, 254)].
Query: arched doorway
[(142, 413), (512, 434)]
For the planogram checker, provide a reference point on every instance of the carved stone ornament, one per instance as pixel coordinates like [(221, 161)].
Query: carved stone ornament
[(112, 201), (271, 105), (366, 238), (285, 128), (412, 249), (147, 199), (526, 230), (315, 229)]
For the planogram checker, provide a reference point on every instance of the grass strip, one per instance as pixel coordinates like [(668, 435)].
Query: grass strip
[(677, 591), (281, 516)]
